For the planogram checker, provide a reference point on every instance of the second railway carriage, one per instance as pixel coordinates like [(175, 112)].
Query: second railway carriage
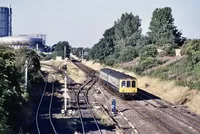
[(125, 85)]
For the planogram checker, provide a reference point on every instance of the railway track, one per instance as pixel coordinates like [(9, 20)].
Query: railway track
[(43, 117), (88, 71), (164, 117), (160, 123), (84, 114), (92, 75), (85, 109), (186, 120), (121, 128), (157, 118)]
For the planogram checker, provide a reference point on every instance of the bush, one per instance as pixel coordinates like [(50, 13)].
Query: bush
[(184, 47), (184, 72), (192, 49), (110, 60), (169, 50), (162, 54), (148, 63), (128, 54), (48, 57), (148, 51)]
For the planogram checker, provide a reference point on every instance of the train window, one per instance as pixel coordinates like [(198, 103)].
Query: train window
[(133, 83), (123, 84), (128, 84)]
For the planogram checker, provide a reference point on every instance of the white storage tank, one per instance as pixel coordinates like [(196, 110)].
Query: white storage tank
[(16, 41)]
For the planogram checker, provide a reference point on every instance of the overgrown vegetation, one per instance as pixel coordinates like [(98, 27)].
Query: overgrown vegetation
[(80, 52), (15, 101), (47, 56), (124, 42), (183, 71), (58, 49)]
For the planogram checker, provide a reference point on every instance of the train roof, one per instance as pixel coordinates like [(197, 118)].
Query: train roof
[(116, 74)]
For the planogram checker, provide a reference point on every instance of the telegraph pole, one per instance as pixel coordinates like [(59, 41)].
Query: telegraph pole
[(82, 55), (37, 48), (65, 92), (65, 67), (64, 52), (26, 74)]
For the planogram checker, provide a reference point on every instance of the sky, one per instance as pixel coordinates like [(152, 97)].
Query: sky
[(83, 22)]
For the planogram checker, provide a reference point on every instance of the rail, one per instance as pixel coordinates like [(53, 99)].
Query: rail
[(49, 109), (194, 123), (91, 75), (37, 112), (91, 82)]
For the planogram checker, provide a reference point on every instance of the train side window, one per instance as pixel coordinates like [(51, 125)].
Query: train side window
[(128, 84), (133, 83), (123, 84)]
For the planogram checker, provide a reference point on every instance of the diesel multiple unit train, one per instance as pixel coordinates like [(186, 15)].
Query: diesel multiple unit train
[(123, 84)]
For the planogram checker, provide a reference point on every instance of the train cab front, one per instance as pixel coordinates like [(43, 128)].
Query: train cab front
[(128, 87)]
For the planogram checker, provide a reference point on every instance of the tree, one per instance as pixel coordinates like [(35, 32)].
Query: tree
[(11, 99), (118, 42), (128, 54), (59, 49), (162, 28), (101, 50), (14, 100), (142, 41), (128, 29), (104, 47)]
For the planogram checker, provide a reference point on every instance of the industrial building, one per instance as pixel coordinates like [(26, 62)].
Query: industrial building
[(30, 41), (37, 40), (5, 21), (33, 41)]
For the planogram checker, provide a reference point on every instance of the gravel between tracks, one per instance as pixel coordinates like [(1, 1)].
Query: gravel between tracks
[(71, 123), (148, 118)]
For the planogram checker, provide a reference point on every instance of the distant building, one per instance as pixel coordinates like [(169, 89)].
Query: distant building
[(5, 21), (38, 41), (33, 42)]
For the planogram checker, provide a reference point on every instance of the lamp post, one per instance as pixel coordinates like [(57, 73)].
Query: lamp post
[(37, 49), (26, 74), (82, 55), (65, 67)]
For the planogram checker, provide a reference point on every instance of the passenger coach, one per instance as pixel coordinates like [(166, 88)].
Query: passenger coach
[(125, 85)]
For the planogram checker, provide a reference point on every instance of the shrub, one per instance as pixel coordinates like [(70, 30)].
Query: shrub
[(169, 50), (184, 72), (128, 54), (192, 49), (110, 60), (48, 57), (148, 51), (148, 63), (162, 54)]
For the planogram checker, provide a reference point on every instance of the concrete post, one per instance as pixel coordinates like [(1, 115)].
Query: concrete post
[(26, 74), (65, 92)]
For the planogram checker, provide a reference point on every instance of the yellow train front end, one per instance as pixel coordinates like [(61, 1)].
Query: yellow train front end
[(128, 87)]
